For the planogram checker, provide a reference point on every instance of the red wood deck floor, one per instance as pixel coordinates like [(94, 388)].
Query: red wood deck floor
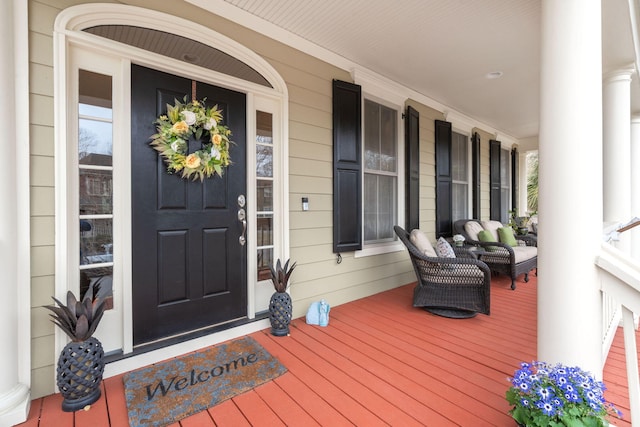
[(380, 362)]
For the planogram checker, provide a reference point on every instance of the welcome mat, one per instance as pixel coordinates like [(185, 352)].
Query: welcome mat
[(169, 391)]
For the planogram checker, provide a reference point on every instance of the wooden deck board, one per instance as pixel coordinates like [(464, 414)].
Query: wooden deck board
[(294, 356), (201, 419), (380, 362), (227, 414), (291, 413), (256, 410)]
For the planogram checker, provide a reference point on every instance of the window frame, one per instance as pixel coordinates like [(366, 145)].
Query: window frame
[(384, 95), (505, 164), (468, 170), (379, 172)]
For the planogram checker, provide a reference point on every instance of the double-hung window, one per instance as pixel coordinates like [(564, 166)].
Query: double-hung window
[(505, 185), (380, 172), (368, 168), (459, 176)]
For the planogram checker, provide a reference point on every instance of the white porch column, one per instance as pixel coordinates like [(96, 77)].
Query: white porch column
[(14, 215), (570, 184), (616, 113), (522, 183), (635, 185)]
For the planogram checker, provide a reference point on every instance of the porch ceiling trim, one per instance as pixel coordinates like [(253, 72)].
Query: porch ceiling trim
[(254, 23)]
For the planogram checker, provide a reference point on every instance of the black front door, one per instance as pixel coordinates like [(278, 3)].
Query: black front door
[(189, 268)]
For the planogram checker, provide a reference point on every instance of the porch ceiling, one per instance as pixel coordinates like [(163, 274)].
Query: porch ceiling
[(444, 49)]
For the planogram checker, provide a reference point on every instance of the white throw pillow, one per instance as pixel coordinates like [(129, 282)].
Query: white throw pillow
[(472, 228), (444, 249), (492, 227), (421, 241)]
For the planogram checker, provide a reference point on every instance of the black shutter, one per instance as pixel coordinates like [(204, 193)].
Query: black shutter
[(515, 184), (412, 158), (475, 179), (494, 180), (444, 204), (347, 167)]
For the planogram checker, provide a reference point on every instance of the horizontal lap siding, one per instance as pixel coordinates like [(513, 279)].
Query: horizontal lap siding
[(308, 82), (42, 176), (310, 175)]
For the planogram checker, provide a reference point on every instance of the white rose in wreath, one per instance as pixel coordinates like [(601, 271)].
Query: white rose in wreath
[(189, 117), (178, 145), (210, 124)]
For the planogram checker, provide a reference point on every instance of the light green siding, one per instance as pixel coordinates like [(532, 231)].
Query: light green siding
[(309, 83)]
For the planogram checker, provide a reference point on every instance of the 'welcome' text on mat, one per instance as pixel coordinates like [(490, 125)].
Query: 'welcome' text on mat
[(169, 391)]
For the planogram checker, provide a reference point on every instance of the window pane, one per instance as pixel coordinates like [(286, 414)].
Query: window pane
[(95, 129), (370, 207), (96, 241), (388, 135), (380, 207), (459, 201), (264, 127), (265, 230), (505, 183), (96, 192), (91, 275), (380, 137), (95, 111), (95, 143), (386, 206), (264, 160), (371, 135), (505, 169), (264, 193), (265, 260), (505, 202), (459, 162), (460, 176)]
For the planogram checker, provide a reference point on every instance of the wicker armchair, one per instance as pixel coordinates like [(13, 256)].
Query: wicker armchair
[(450, 287), (502, 258)]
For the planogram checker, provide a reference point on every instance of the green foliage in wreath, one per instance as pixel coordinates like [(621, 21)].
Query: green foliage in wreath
[(184, 120)]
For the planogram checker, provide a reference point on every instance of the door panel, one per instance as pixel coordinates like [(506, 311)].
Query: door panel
[(189, 269)]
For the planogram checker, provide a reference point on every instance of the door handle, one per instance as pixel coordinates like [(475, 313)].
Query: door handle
[(242, 239), (242, 217)]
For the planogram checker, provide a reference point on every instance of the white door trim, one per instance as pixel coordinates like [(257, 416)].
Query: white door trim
[(69, 40)]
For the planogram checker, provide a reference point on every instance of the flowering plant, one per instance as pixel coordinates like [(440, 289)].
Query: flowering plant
[(184, 120), (458, 239), (544, 395)]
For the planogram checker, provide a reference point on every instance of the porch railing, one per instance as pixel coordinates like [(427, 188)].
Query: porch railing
[(620, 285), (611, 318)]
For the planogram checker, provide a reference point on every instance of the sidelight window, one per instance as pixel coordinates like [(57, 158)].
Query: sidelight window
[(264, 193), (95, 180)]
